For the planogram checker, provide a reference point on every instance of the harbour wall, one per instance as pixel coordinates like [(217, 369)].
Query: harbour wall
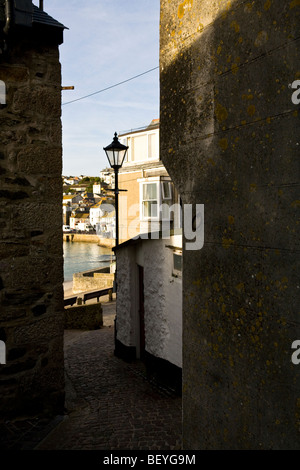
[(92, 280), (89, 238)]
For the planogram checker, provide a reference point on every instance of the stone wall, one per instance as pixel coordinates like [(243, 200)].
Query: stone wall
[(230, 140), (90, 280), (162, 302), (162, 298), (31, 257), (89, 238), (84, 317)]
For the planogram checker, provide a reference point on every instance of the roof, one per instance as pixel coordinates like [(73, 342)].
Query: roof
[(109, 215), (27, 16), (154, 124), (156, 167), (97, 205), (41, 17), (83, 215), (157, 235)]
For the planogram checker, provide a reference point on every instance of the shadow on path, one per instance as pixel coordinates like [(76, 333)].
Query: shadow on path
[(110, 403)]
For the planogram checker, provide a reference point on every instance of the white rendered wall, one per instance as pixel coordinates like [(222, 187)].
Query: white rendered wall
[(163, 303), (162, 298)]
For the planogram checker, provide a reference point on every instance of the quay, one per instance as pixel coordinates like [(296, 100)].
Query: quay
[(88, 238)]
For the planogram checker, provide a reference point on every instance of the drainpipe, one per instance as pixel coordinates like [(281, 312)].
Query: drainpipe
[(8, 16)]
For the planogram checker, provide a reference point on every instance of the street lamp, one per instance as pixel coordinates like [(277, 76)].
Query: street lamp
[(116, 153)]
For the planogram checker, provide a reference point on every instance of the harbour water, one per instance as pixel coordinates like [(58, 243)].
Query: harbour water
[(82, 256)]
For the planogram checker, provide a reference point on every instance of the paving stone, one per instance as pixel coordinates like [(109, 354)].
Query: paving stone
[(111, 403)]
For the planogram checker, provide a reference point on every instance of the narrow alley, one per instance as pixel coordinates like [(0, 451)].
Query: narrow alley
[(110, 403)]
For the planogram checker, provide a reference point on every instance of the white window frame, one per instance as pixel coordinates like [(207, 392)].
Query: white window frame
[(158, 200), (163, 196)]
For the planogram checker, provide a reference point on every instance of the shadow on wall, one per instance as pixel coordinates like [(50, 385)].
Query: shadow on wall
[(230, 81), (229, 140)]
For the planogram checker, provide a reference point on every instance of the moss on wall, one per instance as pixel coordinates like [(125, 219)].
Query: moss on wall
[(229, 140)]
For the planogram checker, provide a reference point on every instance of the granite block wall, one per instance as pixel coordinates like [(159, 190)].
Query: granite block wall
[(31, 258)]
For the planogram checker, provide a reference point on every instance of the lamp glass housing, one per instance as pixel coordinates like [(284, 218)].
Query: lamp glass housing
[(116, 153)]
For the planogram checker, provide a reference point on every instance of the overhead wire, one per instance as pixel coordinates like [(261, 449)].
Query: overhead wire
[(109, 87)]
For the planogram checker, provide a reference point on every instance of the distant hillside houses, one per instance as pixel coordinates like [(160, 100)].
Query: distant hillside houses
[(80, 219), (102, 217), (82, 204), (70, 180)]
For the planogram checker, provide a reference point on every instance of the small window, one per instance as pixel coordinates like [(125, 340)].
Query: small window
[(177, 264), (2, 93), (2, 352), (166, 190), (166, 194)]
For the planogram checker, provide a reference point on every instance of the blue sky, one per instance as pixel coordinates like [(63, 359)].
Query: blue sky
[(108, 41)]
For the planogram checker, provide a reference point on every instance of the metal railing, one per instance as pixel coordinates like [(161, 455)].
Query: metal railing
[(88, 296)]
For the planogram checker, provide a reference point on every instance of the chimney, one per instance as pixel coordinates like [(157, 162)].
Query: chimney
[(41, 7)]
